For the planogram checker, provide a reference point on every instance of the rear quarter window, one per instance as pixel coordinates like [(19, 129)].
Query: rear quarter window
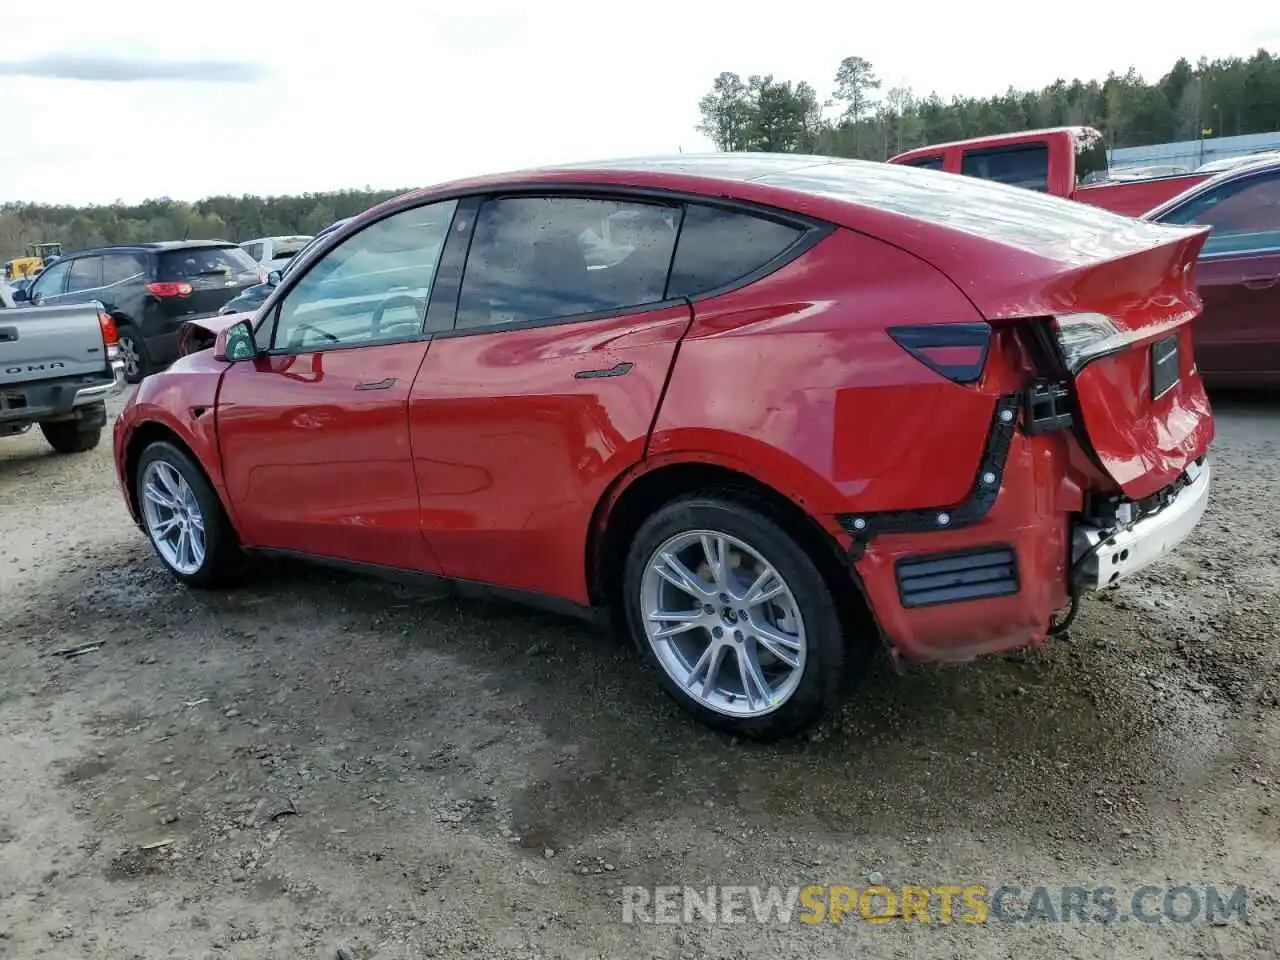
[(1025, 166), (203, 262), (718, 247)]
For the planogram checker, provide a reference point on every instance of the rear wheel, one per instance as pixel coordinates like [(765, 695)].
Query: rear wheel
[(736, 616), (183, 517), (68, 436), (133, 351)]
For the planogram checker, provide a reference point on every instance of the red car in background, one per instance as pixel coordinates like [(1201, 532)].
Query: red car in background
[(1068, 162), (1238, 273), (769, 410)]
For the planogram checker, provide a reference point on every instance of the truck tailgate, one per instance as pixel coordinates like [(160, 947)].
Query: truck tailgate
[(38, 343)]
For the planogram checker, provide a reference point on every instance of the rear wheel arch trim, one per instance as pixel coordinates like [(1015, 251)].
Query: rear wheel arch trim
[(725, 472)]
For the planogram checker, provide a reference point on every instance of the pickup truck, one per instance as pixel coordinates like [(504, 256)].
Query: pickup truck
[(1067, 162), (57, 367)]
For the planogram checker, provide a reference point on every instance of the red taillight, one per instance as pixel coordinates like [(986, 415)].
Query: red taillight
[(170, 289), (110, 336)]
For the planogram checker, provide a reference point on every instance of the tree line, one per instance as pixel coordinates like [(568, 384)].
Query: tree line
[(1213, 98), (214, 218)]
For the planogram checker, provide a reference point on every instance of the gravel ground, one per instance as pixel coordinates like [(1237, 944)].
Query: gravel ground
[(341, 768)]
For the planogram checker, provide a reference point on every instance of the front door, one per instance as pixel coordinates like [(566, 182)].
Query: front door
[(314, 433)]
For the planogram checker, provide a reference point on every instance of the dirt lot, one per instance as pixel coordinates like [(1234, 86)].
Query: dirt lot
[(350, 769)]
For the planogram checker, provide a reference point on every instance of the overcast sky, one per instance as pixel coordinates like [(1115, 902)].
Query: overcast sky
[(132, 99)]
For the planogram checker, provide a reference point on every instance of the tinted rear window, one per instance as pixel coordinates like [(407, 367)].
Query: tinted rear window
[(203, 262), (1021, 166), (717, 247), (933, 162)]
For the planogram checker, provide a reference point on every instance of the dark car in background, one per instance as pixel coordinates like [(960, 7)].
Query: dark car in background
[(256, 295), (1238, 273), (150, 290)]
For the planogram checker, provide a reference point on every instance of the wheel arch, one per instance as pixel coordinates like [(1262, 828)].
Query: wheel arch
[(143, 436), (637, 494)]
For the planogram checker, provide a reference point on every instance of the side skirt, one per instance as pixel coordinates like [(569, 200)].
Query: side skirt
[(467, 589)]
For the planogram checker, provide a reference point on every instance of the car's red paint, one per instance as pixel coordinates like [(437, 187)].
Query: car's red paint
[(182, 402), (1041, 492), (1238, 339), (489, 459), (513, 450), (1135, 197), (854, 419), (313, 461), (1064, 147)]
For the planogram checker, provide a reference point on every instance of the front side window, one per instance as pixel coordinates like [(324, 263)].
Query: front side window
[(254, 250), (371, 288), (539, 259), (1244, 215), (51, 282), (86, 274), (717, 247), (1024, 166)]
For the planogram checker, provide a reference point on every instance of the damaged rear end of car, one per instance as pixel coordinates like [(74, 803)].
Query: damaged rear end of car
[(1095, 460)]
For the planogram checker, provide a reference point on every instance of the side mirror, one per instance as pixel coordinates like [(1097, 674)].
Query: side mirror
[(235, 343), (273, 278), (20, 295)]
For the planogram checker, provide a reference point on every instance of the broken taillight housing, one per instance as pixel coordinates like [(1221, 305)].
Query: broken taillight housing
[(1087, 336)]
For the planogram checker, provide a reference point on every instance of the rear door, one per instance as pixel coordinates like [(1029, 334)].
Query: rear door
[(545, 389), (1237, 340)]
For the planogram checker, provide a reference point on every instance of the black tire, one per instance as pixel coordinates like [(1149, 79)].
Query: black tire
[(132, 345), (68, 436), (827, 650), (222, 557)]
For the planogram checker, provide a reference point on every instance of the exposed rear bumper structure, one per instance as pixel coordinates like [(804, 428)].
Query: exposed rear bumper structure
[(1102, 557)]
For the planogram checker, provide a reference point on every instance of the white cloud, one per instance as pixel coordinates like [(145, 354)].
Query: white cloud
[(405, 92)]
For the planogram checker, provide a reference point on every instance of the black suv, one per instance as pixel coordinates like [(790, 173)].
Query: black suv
[(150, 289)]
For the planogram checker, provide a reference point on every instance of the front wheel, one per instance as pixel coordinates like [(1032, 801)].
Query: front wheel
[(183, 517), (737, 617)]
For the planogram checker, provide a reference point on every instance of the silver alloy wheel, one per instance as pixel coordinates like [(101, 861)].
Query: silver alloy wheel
[(172, 516), (723, 623), (129, 354)]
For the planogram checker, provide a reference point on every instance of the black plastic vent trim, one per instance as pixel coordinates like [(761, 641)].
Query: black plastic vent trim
[(973, 574)]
